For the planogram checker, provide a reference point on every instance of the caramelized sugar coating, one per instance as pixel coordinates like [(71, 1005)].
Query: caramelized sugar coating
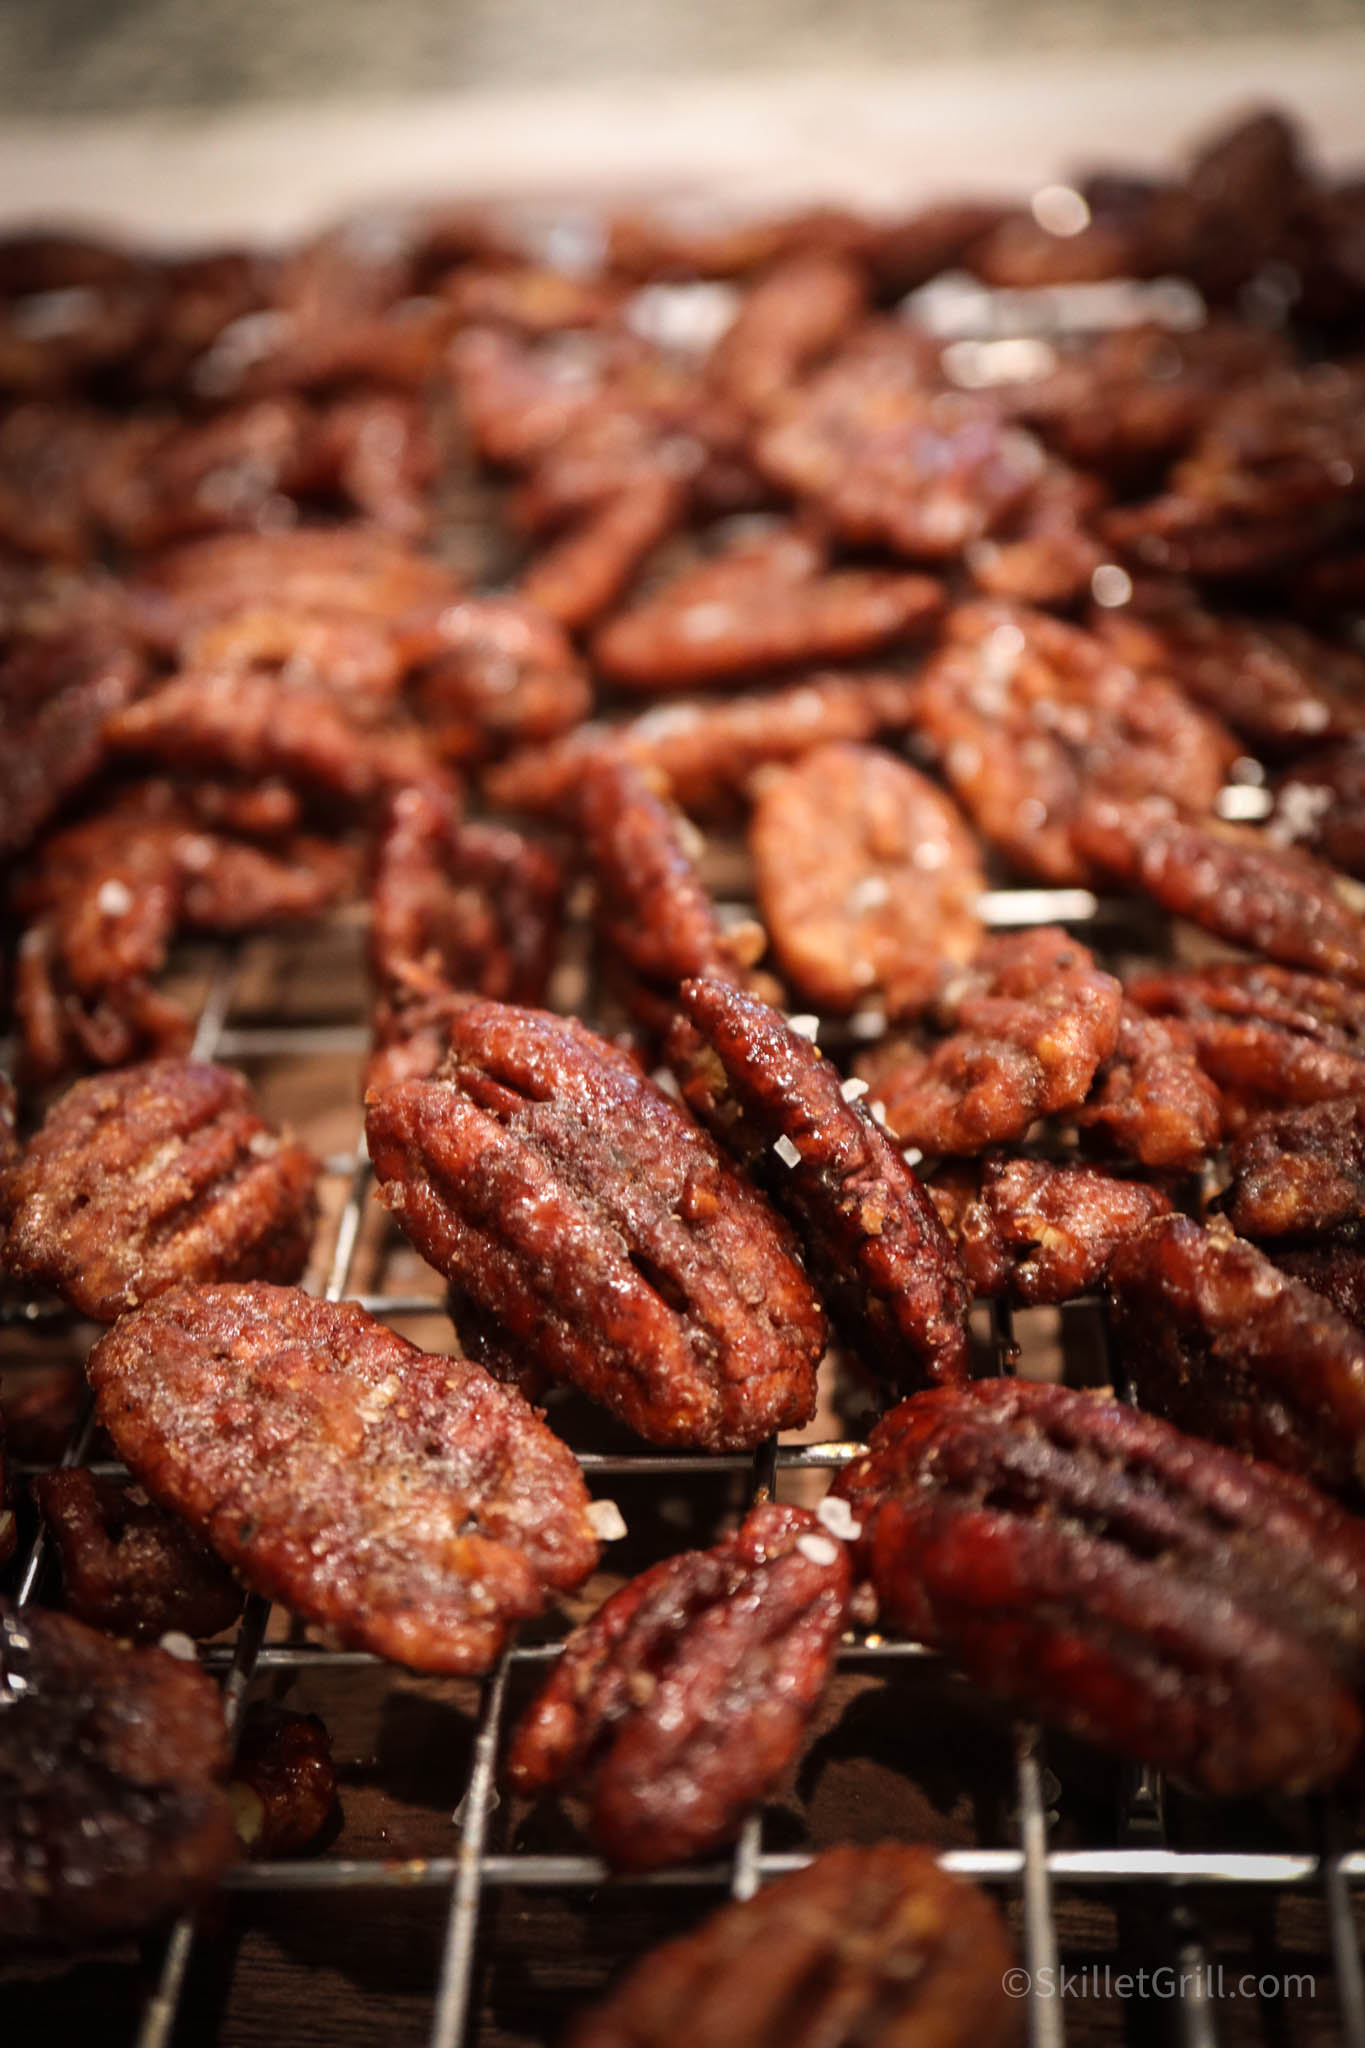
[(1033, 1233), (680, 1705), (153, 1175), (284, 1782), (864, 1948), (1220, 1341), (1153, 1101), (1158, 1595), (1320, 803), (884, 1265), (1299, 1172), (113, 1816), (709, 751), (1234, 881), (128, 1567), (765, 602), (867, 880), (1026, 714), (600, 1231), (402, 1500), (1029, 1025)]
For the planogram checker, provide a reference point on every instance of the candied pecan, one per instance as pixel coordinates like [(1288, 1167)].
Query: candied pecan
[(112, 1813), (1025, 713), (1045, 552), (1265, 1034), (402, 1500), (1273, 683), (864, 1948), (1029, 1023), (654, 916), (1299, 1172), (1161, 1596), (167, 479), (582, 574), (357, 661), (1153, 1100), (1220, 1341), (764, 602), (904, 254), (530, 299), (127, 1566), (1235, 209), (888, 461), (1278, 470), (344, 572), (47, 455), (152, 1175), (63, 1030), (518, 399), (70, 311), (654, 246), (57, 692), (1021, 253), (248, 723), (1034, 1233), (283, 1787), (504, 674), (680, 1704), (459, 907), (568, 1199), (1320, 804), (867, 879), (873, 1241), (1124, 401), (1231, 879), (708, 751), (1333, 1269), (793, 316), (376, 451)]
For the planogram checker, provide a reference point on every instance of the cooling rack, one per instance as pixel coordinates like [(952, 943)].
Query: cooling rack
[(1027, 1870)]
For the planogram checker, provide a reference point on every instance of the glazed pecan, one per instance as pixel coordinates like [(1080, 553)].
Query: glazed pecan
[(57, 693), (793, 316), (1025, 714), (679, 1706), (1046, 550), (112, 1813), (152, 1175), (865, 1948), (128, 1567), (1275, 684), (1300, 1172), (1097, 1568), (1153, 1100), (764, 603), (1221, 1342), (873, 1241), (892, 462), (581, 575), (1335, 1269), (1320, 804), (577, 1209), (47, 455), (709, 751), (402, 1500), (456, 907), (503, 674), (1266, 1035), (867, 880), (1231, 879), (1033, 1233), (1029, 1025), (283, 1787)]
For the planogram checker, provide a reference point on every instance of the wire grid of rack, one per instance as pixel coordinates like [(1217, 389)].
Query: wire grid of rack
[(1029, 1868)]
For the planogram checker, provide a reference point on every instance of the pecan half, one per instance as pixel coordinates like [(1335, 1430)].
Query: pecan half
[(681, 1703), (127, 1566), (1034, 1233), (1097, 1568)]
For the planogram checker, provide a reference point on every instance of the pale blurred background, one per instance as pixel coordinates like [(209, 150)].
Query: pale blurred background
[(189, 120)]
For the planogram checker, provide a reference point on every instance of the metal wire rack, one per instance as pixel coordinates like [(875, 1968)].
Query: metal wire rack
[(1029, 1869)]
